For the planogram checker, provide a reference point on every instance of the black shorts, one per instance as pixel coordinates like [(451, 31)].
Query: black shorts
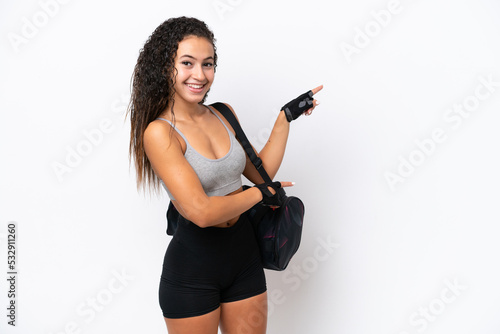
[(204, 267)]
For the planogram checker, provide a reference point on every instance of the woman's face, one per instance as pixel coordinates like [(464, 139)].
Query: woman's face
[(195, 69)]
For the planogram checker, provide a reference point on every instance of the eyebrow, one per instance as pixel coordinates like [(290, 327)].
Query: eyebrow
[(189, 56)]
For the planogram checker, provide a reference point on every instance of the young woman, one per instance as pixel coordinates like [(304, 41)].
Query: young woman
[(212, 275)]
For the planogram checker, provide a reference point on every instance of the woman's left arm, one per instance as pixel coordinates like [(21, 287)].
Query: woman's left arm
[(273, 152)]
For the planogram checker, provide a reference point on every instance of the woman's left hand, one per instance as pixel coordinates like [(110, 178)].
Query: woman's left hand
[(304, 104)]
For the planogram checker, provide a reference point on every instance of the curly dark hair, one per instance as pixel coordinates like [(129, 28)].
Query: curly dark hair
[(153, 85)]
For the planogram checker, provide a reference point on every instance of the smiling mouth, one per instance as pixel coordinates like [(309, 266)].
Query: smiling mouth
[(195, 86)]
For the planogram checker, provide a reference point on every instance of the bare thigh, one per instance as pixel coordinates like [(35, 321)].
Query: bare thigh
[(202, 324), (247, 316)]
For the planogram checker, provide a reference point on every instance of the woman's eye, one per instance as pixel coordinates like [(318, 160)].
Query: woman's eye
[(209, 64), (187, 63)]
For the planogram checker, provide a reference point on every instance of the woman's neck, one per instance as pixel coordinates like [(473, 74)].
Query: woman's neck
[(186, 111)]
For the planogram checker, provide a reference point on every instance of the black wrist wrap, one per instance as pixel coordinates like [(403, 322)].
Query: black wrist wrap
[(296, 107), (267, 197)]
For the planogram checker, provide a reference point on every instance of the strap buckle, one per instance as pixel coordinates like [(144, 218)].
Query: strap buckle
[(258, 163)]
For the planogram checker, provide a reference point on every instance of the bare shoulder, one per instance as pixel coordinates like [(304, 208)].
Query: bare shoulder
[(225, 120), (230, 108), (157, 136)]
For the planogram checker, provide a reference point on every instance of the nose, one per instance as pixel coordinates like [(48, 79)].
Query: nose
[(198, 73)]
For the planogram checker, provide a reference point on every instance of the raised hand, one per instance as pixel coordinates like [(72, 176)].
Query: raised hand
[(304, 104)]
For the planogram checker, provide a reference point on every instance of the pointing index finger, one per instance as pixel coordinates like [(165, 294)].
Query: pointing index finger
[(317, 89)]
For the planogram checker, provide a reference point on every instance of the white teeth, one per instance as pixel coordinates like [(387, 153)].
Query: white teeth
[(195, 86)]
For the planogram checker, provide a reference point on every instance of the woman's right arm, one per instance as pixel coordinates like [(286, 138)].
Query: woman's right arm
[(168, 161)]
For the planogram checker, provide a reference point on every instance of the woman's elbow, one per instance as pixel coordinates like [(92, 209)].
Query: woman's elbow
[(201, 217), (198, 212)]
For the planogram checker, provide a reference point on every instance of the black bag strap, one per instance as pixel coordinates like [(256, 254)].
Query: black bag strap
[(228, 114)]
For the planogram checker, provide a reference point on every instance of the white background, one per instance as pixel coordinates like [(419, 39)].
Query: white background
[(394, 250)]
